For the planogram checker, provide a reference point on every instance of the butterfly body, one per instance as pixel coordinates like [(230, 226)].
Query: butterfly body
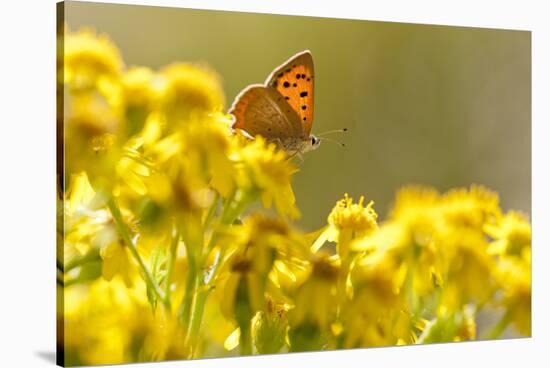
[(281, 109)]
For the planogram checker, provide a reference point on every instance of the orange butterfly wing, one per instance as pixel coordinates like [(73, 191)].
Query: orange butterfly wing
[(260, 110), (294, 79)]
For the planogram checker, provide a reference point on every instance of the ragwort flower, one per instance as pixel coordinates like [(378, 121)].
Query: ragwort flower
[(88, 58), (349, 223), (267, 171)]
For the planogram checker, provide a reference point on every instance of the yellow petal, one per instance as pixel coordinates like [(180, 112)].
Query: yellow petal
[(232, 340)]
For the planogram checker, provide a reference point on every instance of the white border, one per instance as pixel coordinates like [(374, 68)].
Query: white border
[(27, 185)]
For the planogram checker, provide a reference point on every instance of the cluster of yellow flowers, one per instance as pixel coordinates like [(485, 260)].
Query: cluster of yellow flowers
[(175, 238)]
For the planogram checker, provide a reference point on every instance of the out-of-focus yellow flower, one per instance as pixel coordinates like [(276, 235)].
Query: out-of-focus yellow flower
[(81, 222), (190, 89), (417, 212), (88, 57), (107, 323), (512, 245), (411, 236), (469, 276), (207, 146), (92, 139), (377, 313), (511, 234), (94, 127), (141, 87), (163, 338), (457, 325), (316, 300), (251, 250), (470, 208), (116, 261), (464, 245), (269, 328), (266, 170), (92, 115), (102, 320), (514, 274), (314, 307)]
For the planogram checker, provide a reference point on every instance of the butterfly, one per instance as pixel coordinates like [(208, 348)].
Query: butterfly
[(281, 109)]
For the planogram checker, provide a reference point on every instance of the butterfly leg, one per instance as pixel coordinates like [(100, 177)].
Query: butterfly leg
[(279, 143), (298, 154)]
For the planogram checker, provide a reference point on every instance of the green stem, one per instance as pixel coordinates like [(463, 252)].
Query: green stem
[(245, 342), (197, 290), (499, 328), (211, 211), (172, 261), (91, 256), (232, 209), (185, 308), (197, 311), (124, 233)]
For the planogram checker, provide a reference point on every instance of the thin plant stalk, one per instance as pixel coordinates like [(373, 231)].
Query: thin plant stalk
[(124, 233)]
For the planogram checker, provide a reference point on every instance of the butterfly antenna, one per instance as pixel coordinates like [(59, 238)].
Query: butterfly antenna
[(333, 141), (332, 131)]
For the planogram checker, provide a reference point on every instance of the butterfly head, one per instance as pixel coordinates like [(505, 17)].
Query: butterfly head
[(308, 144), (314, 142)]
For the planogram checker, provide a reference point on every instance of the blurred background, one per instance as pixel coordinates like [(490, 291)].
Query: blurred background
[(434, 105)]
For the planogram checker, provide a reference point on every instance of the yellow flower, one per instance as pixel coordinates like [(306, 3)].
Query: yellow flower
[(470, 208), (377, 312), (269, 328), (116, 261), (141, 87), (163, 338), (450, 326), (315, 305), (350, 222), (132, 168), (88, 227), (512, 234), (190, 89), (353, 216), (266, 170), (102, 320), (470, 272), (251, 250), (512, 245), (92, 139), (315, 299), (514, 274), (206, 143), (417, 211), (89, 57), (464, 246)]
